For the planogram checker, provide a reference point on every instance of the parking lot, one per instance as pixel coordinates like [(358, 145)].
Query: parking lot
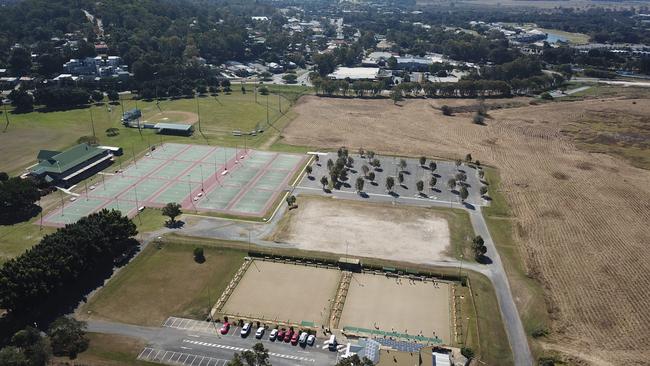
[(413, 172), (199, 343)]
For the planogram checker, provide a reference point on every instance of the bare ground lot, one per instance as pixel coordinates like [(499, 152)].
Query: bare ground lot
[(580, 218), (409, 234), (286, 293), (419, 308)]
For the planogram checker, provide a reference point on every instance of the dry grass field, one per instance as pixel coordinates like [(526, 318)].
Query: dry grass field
[(286, 293), (580, 218)]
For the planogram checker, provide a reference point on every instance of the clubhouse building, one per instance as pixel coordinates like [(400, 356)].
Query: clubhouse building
[(69, 167)]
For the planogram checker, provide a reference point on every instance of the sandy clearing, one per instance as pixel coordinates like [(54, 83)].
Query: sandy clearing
[(582, 228), (400, 305), (281, 292), (408, 234)]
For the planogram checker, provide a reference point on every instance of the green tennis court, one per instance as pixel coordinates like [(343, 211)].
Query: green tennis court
[(209, 178)]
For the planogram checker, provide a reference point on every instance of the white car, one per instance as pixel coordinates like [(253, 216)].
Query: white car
[(259, 333), (273, 335), (311, 339), (245, 329)]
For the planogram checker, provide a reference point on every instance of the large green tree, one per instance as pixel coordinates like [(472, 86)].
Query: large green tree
[(17, 199), (68, 337)]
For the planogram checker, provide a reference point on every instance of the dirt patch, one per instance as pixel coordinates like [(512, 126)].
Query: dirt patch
[(287, 293), (604, 215), (398, 305), (370, 230), (173, 117), (560, 176)]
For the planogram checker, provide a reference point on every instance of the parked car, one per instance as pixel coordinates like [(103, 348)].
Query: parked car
[(245, 329), (225, 328), (259, 333), (281, 334), (311, 339), (303, 338), (332, 343), (288, 335), (294, 338), (273, 335)]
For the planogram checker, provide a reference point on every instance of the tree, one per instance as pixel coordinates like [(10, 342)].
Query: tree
[(458, 163), (199, 256), (113, 95), (13, 356), (359, 184), (376, 163), (316, 158), (422, 160), (308, 170), (330, 164), (420, 186), (370, 155), (97, 96), (396, 96), (467, 352), (4, 177), (365, 169), (17, 198), (22, 100), (371, 176), (29, 345), (390, 183), (323, 181), (291, 201), (446, 110), (402, 164), (361, 152), (451, 183), (235, 360), (481, 174), (478, 246), (261, 355), (468, 158), (172, 210), (400, 178), (290, 78), (483, 190), (432, 182), (68, 337), (432, 166), (350, 161), (463, 193), (478, 119), (355, 361), (20, 61)]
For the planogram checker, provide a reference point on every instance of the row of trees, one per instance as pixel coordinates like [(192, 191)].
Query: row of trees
[(17, 199), (53, 272)]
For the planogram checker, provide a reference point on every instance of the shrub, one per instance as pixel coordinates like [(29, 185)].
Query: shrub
[(467, 352), (478, 119), (198, 255), (92, 140), (546, 96), (446, 110)]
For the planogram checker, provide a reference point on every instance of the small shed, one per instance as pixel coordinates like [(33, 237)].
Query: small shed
[(174, 129)]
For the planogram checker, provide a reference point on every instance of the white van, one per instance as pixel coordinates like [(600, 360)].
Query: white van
[(332, 343), (303, 338)]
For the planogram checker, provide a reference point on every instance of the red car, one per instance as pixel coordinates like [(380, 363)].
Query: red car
[(224, 328), (280, 335), (288, 335), (294, 338)]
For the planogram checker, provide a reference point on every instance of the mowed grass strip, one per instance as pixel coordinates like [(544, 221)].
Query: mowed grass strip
[(527, 291), (165, 282), (107, 350)]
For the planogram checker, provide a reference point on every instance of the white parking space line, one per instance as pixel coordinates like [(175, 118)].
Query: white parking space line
[(178, 358), (239, 349)]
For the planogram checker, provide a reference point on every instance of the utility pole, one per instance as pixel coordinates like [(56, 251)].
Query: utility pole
[(198, 113), (280, 103), (6, 117), (267, 109), (92, 122)]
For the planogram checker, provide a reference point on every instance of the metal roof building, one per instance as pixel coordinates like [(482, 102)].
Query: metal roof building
[(65, 168), (174, 129)]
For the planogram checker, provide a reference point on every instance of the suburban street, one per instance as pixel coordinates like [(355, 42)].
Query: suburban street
[(197, 343)]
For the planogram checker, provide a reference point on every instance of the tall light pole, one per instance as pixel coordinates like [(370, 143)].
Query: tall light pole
[(4, 106), (92, 122)]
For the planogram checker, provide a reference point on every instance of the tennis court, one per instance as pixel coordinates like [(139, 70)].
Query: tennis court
[(199, 177)]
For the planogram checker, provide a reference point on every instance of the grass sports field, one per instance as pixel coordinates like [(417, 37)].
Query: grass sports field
[(164, 282), (199, 177), (30, 132)]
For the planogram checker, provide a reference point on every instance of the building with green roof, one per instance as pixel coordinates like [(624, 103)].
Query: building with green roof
[(70, 166)]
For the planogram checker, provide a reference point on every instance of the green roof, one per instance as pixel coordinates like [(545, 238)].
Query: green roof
[(66, 160)]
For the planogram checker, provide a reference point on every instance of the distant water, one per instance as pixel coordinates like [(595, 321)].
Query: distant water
[(554, 38)]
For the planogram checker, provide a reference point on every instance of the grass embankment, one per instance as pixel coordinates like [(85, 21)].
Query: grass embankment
[(527, 291), (163, 282), (107, 350)]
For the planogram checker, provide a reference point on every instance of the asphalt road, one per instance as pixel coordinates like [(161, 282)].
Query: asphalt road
[(203, 345)]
